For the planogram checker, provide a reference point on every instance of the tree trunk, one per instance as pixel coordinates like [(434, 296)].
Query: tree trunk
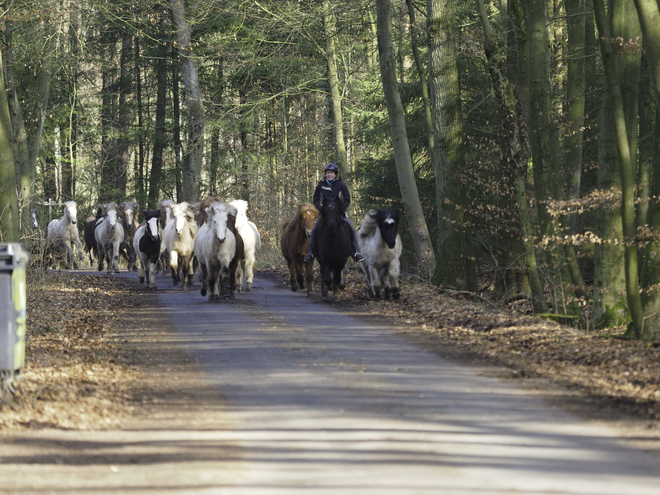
[(9, 213), (423, 80), (194, 154), (504, 92), (402, 158), (610, 278), (456, 264), (24, 177), (160, 136), (649, 17), (626, 169), (330, 32)]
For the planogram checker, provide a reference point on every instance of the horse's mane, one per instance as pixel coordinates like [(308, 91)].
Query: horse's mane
[(297, 217), (200, 215), (106, 207), (129, 205), (369, 225)]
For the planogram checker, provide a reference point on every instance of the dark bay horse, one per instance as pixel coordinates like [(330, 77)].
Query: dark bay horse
[(294, 242), (333, 243)]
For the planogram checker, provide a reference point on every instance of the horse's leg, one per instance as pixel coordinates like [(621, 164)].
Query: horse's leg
[(115, 257), (309, 277), (301, 268), (80, 254), (394, 278), (225, 283), (153, 267), (185, 267), (326, 280), (108, 260), (101, 256), (141, 275), (375, 281), (238, 277), (293, 269), (174, 266), (204, 275), (68, 255), (249, 272)]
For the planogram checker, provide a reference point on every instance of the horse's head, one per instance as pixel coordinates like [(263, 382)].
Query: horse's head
[(388, 224), (129, 209), (181, 215), (35, 218), (217, 220), (241, 207), (332, 213), (308, 214), (111, 218), (71, 211), (152, 217)]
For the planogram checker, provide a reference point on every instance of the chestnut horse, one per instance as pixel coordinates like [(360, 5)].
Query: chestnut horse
[(294, 241)]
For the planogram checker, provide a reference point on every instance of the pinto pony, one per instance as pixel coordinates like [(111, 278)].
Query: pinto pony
[(178, 240), (215, 247), (334, 241), (63, 233), (146, 243), (381, 246), (294, 242), (251, 243), (109, 235)]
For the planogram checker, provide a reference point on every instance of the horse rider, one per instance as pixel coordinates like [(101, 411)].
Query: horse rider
[(330, 189)]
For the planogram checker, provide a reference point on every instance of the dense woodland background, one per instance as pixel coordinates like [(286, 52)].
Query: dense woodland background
[(518, 137)]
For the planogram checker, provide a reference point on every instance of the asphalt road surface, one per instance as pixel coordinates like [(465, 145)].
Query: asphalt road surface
[(317, 401)]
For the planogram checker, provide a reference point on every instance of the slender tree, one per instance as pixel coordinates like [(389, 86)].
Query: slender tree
[(192, 160), (399, 136)]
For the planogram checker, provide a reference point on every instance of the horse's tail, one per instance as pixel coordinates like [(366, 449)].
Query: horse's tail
[(369, 225)]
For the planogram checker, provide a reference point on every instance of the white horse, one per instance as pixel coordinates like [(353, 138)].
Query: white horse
[(178, 240), (381, 246), (63, 233), (252, 244), (146, 243), (215, 246), (109, 234)]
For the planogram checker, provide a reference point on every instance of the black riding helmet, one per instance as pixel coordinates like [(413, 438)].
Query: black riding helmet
[(333, 167)]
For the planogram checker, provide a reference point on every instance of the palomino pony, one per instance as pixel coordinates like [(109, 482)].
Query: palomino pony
[(381, 246), (146, 243), (215, 247), (333, 243), (251, 242), (109, 235), (63, 233), (178, 240), (294, 242), (128, 211)]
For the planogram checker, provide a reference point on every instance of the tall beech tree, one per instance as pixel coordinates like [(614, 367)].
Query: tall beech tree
[(399, 136)]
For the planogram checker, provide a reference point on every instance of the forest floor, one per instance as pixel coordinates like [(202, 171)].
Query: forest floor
[(83, 373)]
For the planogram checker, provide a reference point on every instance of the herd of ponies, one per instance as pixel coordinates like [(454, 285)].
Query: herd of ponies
[(216, 239)]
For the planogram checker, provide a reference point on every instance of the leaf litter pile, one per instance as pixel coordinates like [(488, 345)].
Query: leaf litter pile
[(77, 372), (80, 372)]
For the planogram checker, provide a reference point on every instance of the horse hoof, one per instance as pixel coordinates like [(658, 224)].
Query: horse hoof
[(203, 292), (141, 280), (247, 289)]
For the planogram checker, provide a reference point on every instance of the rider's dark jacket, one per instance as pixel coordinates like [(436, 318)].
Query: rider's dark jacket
[(329, 191)]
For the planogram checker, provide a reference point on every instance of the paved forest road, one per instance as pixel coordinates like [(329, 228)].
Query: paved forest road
[(300, 398)]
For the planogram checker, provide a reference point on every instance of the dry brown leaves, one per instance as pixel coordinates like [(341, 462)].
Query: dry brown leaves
[(76, 372)]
